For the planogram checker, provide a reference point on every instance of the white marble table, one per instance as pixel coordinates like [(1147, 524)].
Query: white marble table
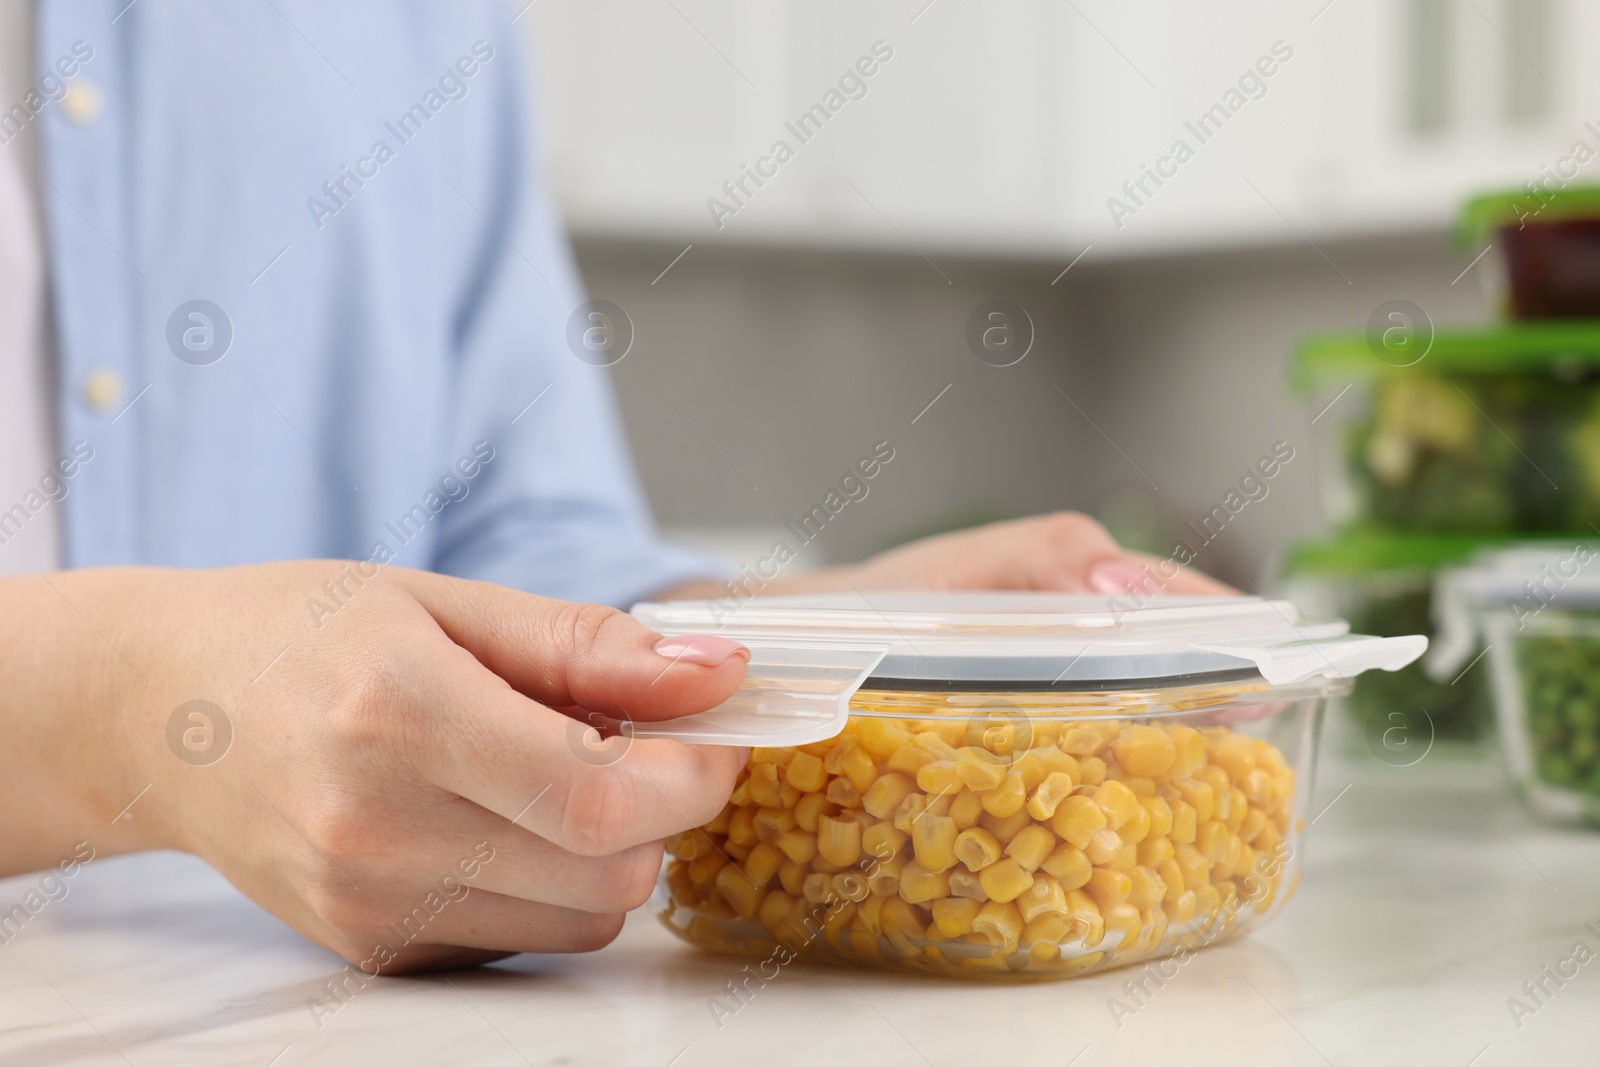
[(1422, 910)]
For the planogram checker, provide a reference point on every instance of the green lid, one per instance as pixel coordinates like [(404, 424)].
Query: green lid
[(1481, 216), (1364, 550), (1530, 347)]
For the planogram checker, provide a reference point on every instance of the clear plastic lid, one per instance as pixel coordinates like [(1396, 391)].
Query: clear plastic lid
[(810, 654), (1524, 580)]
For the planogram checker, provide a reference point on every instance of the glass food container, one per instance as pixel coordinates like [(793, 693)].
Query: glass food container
[(1545, 250), (1487, 433), (1383, 584), (1014, 786), (1538, 611)]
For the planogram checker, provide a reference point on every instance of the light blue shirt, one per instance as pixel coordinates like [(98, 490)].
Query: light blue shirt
[(355, 186)]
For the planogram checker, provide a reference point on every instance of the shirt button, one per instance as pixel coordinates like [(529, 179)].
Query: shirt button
[(81, 102), (102, 388)]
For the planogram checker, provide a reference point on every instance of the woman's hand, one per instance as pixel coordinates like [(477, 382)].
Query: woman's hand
[(1064, 552), (407, 781)]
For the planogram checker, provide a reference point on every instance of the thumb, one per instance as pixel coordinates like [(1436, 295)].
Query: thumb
[(564, 654)]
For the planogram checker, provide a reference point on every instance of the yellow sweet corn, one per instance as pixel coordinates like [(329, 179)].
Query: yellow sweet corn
[(1007, 798), (1076, 819), (1045, 896), (980, 769), (762, 864), (1069, 866), (1004, 880), (839, 841), (966, 808), (881, 840), (1147, 751), (769, 823), (737, 889), (1000, 924), (933, 839), (906, 836), (1032, 845), (953, 916), (885, 795), (976, 848), (1047, 796), (1004, 828), (966, 884), (918, 885), (938, 776), (798, 845)]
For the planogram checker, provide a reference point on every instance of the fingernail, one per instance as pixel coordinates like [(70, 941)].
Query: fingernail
[(703, 650), (1117, 577)]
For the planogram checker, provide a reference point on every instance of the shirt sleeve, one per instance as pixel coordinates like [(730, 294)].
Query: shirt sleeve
[(557, 510)]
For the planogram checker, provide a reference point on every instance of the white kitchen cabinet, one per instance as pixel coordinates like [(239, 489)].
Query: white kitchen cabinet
[(1005, 128)]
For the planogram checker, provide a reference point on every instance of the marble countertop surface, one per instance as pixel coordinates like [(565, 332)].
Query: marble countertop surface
[(1429, 897)]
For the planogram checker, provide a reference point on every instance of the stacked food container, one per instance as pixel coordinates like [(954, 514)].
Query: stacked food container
[(1442, 450)]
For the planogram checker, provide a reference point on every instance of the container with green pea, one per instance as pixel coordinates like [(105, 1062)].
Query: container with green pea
[(1537, 611), (1383, 584)]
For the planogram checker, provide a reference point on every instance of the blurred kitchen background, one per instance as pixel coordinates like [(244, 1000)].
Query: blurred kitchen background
[(832, 308)]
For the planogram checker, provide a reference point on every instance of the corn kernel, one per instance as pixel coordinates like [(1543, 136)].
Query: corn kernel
[(1137, 828), (1006, 827), (1069, 866), (1076, 820), (885, 795), (771, 822), (966, 808), (1085, 914), (976, 848), (1000, 924), (1031, 846), (1044, 897), (1148, 888), (884, 879), (858, 766), (1083, 740), (1191, 752), (1048, 795), (1108, 888), (882, 737), (763, 784), (1185, 822), (843, 792), (1007, 798), (738, 891), (1193, 863), (811, 807), (792, 876), (980, 769), (1198, 795), (1147, 751), (762, 864), (953, 916), (1121, 919), (919, 885), (1212, 839), (938, 776), (1091, 770), (882, 841), (1235, 754), (851, 886), (703, 869), (1004, 880), (1153, 851), (966, 884), (773, 910), (933, 840), (1050, 928), (1103, 847), (839, 842), (798, 845)]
